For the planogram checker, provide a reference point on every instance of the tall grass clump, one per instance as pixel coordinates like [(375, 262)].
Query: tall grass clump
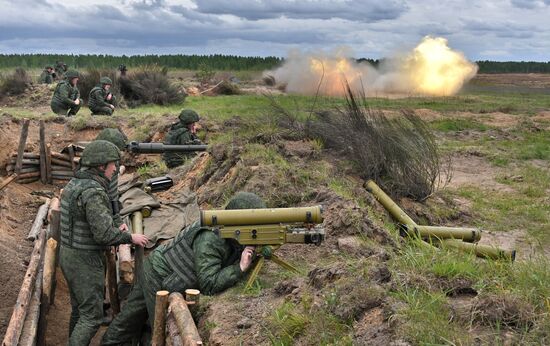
[(15, 83), (149, 85), (398, 152)]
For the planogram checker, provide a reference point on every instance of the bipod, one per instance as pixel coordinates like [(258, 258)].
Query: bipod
[(267, 252)]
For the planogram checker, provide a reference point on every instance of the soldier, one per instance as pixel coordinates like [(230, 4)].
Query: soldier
[(47, 76), (101, 101), (182, 132), (66, 97), (87, 230), (195, 258), (119, 139), (60, 69)]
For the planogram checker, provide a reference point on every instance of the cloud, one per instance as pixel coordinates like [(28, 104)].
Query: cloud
[(530, 4), (353, 10)]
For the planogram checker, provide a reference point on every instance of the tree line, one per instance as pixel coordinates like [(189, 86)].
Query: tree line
[(189, 62), (217, 62)]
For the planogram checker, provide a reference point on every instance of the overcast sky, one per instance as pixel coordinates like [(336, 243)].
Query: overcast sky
[(489, 29)]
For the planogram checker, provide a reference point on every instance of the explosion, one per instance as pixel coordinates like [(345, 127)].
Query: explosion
[(432, 68)]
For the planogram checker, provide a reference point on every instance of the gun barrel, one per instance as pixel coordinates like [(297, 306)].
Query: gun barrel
[(440, 232), (261, 216), (158, 148)]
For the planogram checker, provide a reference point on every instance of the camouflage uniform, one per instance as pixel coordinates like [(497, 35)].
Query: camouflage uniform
[(87, 230), (195, 258), (46, 77), (64, 96), (97, 101), (179, 134), (119, 139), (60, 69)]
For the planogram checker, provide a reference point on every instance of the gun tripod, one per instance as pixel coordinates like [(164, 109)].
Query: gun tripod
[(267, 253)]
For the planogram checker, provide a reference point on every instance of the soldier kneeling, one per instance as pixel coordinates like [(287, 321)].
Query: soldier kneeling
[(101, 101)]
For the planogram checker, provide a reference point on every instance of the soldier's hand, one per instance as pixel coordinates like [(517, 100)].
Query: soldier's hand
[(109, 97), (112, 106), (123, 227), (77, 102), (139, 239), (246, 258)]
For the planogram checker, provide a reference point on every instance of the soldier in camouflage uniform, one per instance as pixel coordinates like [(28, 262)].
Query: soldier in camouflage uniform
[(60, 69), (101, 101), (182, 132), (195, 258), (46, 77), (119, 139), (87, 230), (66, 97)]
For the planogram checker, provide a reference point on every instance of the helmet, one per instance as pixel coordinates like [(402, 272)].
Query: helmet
[(105, 80), (245, 200), (98, 153), (188, 116), (114, 136), (48, 68), (72, 74)]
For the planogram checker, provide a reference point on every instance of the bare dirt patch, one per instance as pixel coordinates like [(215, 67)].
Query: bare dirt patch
[(476, 171)]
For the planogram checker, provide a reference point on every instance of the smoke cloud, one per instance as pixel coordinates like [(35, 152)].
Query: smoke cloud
[(431, 68)]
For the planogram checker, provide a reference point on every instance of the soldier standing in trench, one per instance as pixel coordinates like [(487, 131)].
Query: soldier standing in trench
[(87, 230)]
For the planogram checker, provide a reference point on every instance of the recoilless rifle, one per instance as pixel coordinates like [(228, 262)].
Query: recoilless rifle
[(267, 229)]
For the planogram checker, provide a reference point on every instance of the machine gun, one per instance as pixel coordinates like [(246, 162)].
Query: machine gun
[(159, 148), (267, 229)]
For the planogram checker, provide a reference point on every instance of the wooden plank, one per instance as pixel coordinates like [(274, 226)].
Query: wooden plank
[(173, 337), (22, 143), (13, 332), (39, 220), (43, 177), (7, 181)]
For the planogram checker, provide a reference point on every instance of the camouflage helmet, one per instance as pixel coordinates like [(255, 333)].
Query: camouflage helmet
[(72, 74), (188, 116), (98, 153), (105, 80), (48, 67), (114, 136), (245, 200)]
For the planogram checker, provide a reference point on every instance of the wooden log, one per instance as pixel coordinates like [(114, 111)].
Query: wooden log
[(24, 169), (43, 177), (39, 220), (61, 163), (192, 296), (26, 155), (159, 324), (22, 143), (8, 180), (50, 264), (112, 284), (71, 158), (29, 334), (49, 163), (125, 264), (28, 162), (13, 332), (184, 320), (137, 227), (62, 173), (61, 168), (24, 176), (60, 180), (173, 336), (65, 157), (55, 233), (27, 181)]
